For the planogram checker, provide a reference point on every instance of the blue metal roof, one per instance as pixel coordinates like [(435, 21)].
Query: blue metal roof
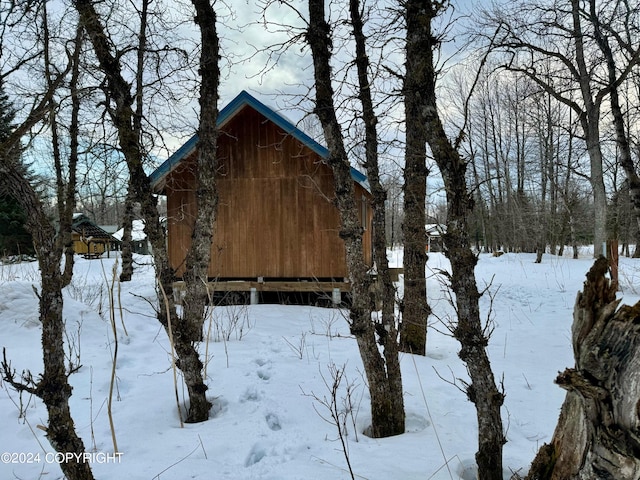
[(227, 113)]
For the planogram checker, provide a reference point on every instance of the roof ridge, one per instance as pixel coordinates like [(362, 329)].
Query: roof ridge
[(241, 100)]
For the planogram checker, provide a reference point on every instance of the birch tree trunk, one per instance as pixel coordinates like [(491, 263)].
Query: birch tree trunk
[(597, 432)]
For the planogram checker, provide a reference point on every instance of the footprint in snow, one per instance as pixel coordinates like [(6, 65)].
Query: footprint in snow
[(273, 422), (264, 374), (257, 453), (251, 394)]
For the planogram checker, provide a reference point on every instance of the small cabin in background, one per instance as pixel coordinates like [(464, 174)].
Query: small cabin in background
[(89, 239), (276, 219), (435, 231), (139, 241)]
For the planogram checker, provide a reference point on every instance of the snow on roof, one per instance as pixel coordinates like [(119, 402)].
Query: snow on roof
[(435, 229), (137, 233)]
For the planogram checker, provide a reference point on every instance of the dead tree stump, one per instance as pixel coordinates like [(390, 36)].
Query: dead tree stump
[(598, 432)]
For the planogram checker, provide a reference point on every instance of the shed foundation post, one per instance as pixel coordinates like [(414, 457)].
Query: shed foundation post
[(336, 297)]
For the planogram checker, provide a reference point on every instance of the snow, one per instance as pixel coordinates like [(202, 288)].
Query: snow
[(266, 369), (137, 232)]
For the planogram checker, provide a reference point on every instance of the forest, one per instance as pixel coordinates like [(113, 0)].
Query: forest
[(513, 125)]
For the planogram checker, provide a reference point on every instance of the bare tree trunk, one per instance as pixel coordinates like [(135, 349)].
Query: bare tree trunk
[(385, 386), (129, 138), (387, 299), (127, 224), (67, 193), (126, 245), (469, 330), (199, 254), (545, 134), (52, 386), (622, 140), (596, 435), (590, 120), (413, 330), (387, 330)]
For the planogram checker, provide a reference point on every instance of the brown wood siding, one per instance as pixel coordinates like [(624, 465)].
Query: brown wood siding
[(81, 247), (275, 216)]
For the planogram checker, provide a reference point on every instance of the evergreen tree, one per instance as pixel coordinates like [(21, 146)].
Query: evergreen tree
[(14, 239)]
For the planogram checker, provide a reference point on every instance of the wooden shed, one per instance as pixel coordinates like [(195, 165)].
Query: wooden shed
[(276, 217), (435, 232)]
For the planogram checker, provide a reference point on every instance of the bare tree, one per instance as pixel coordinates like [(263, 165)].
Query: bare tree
[(415, 309), (619, 22), (52, 386), (120, 100), (128, 217), (199, 253), (530, 41), (387, 332), (383, 372), (468, 329)]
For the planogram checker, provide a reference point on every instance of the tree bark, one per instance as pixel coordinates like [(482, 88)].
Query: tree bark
[(53, 386), (413, 330), (199, 254), (126, 244), (67, 193), (385, 388), (127, 223), (122, 115), (469, 331), (387, 330), (597, 432), (387, 296), (590, 121), (622, 140)]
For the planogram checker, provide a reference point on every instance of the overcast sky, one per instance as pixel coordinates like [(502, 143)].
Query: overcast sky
[(265, 78)]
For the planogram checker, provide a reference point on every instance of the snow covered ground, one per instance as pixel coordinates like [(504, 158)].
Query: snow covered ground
[(267, 366)]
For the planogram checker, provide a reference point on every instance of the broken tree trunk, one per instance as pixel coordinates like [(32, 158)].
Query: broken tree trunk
[(597, 436)]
